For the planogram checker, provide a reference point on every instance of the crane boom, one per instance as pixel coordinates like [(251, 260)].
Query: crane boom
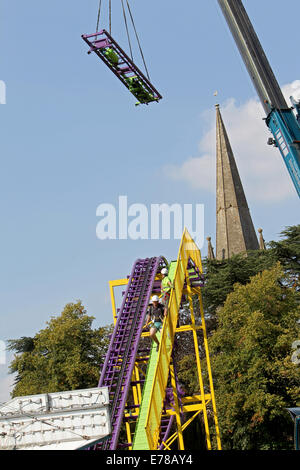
[(280, 118)]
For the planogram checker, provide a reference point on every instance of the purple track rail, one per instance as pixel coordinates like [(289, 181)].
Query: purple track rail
[(167, 421), (165, 429), (119, 363)]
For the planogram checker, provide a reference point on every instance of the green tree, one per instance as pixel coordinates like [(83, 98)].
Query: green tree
[(254, 377), (221, 275), (287, 251), (66, 355)]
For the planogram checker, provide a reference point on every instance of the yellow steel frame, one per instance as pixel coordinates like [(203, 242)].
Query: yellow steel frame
[(164, 369)]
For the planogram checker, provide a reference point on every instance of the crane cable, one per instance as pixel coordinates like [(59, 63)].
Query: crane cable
[(98, 18), (128, 37), (109, 16), (126, 26), (137, 39), (99, 13)]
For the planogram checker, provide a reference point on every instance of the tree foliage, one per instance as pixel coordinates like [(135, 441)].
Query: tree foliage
[(287, 251), (251, 307), (254, 377), (66, 355), (221, 275)]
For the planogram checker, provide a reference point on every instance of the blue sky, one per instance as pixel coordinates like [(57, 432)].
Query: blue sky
[(71, 139)]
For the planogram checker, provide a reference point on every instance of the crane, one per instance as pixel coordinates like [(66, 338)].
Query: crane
[(281, 120)]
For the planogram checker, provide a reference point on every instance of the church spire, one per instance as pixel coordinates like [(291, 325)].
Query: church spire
[(235, 230)]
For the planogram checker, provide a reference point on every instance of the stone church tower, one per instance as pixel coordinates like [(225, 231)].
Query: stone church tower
[(235, 231)]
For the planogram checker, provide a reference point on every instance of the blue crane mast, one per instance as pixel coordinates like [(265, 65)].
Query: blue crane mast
[(281, 120)]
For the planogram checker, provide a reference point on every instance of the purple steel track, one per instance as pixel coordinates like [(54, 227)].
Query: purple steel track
[(124, 344), (126, 68), (165, 429), (119, 363), (167, 421)]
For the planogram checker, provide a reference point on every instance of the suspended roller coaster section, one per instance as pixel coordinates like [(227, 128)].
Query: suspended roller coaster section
[(115, 58), (149, 408)]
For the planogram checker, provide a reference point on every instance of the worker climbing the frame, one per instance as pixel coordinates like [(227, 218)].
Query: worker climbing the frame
[(111, 56), (136, 88), (166, 286), (156, 315)]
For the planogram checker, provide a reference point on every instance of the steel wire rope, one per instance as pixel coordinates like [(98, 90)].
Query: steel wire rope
[(109, 14), (137, 37), (126, 26), (127, 30), (98, 18)]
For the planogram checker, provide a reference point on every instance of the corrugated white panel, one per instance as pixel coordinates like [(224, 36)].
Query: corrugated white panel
[(61, 420)]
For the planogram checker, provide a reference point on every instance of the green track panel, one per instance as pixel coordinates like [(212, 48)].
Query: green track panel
[(171, 270), (140, 441)]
